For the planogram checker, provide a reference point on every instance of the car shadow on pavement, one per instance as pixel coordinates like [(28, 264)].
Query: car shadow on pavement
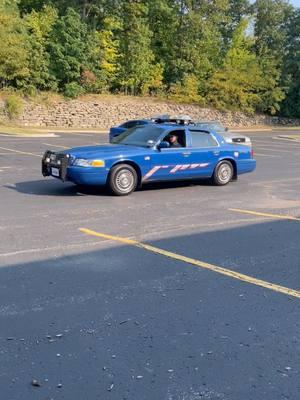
[(57, 188), (175, 184)]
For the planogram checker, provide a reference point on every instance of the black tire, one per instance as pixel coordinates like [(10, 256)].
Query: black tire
[(223, 173), (122, 180)]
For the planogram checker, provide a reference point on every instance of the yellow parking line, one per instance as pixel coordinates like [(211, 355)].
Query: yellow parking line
[(267, 215), (20, 152), (197, 263)]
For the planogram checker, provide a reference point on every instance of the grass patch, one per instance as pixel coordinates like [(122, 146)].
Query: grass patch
[(15, 130), (46, 99), (287, 128), (13, 106), (10, 129)]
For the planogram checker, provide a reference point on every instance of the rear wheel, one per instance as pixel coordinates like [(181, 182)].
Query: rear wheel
[(122, 179), (223, 173)]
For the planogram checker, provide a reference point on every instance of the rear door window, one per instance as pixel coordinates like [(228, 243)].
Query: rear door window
[(202, 139)]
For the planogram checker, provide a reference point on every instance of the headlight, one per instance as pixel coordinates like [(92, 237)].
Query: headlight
[(82, 162)]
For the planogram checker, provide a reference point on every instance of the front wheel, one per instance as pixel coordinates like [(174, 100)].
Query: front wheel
[(223, 173), (122, 179)]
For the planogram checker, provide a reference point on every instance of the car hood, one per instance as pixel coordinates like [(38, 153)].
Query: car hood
[(90, 152)]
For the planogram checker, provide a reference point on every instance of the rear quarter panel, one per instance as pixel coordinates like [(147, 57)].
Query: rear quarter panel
[(241, 155)]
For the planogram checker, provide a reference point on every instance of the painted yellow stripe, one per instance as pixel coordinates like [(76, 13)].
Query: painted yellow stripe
[(267, 215), (197, 263), (109, 237), (20, 152)]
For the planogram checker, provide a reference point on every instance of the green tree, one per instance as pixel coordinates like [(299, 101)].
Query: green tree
[(163, 19), (291, 70), (68, 49), (198, 40), (187, 91), (190, 49), (92, 11), (272, 90), (270, 26), (13, 49), (236, 85), (270, 29), (237, 11), (137, 60), (104, 56), (26, 6), (39, 25)]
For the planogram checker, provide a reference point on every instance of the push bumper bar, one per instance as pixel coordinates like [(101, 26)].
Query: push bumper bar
[(53, 161)]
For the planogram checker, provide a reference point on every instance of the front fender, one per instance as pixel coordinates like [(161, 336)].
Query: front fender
[(141, 166)]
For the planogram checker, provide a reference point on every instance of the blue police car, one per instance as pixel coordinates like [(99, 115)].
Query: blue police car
[(151, 153)]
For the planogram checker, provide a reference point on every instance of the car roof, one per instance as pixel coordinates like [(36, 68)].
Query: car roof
[(168, 125), (178, 122)]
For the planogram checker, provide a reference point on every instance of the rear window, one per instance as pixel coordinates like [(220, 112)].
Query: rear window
[(132, 124), (202, 139), (212, 127)]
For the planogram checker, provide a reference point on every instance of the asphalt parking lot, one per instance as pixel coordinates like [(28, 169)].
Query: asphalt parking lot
[(202, 301)]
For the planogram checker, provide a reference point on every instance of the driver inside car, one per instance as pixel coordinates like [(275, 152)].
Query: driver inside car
[(173, 140)]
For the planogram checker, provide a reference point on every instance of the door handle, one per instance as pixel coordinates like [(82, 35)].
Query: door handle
[(186, 153), (216, 153)]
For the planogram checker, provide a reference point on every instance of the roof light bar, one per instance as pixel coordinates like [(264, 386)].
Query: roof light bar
[(176, 119)]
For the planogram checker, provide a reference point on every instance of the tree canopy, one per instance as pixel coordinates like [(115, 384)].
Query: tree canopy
[(230, 54)]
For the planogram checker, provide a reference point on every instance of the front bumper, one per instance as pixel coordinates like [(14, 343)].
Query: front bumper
[(57, 162), (58, 166)]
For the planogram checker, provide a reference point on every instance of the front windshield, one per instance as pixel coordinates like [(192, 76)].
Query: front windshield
[(139, 136)]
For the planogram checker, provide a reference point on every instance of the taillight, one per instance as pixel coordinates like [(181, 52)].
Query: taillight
[(252, 153)]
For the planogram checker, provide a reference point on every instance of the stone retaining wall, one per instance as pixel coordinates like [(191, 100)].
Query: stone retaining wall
[(103, 113)]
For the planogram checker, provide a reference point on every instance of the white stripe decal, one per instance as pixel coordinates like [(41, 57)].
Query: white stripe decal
[(151, 172), (174, 169), (185, 166)]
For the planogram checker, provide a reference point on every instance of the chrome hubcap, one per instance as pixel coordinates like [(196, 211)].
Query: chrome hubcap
[(225, 173), (124, 180)]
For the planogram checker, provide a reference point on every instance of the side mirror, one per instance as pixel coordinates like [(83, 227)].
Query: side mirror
[(163, 145), (150, 143)]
